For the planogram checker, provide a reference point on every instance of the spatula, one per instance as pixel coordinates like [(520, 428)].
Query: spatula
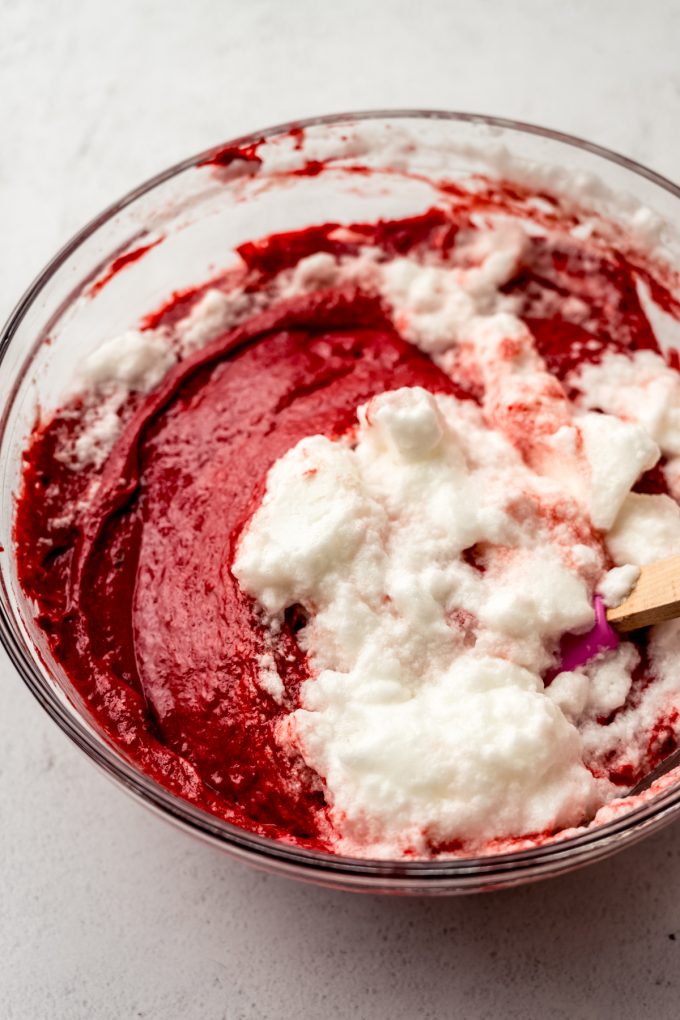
[(655, 598)]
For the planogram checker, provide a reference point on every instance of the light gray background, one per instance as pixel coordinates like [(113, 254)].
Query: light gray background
[(105, 912)]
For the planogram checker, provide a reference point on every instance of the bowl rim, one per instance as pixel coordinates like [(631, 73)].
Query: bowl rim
[(490, 869)]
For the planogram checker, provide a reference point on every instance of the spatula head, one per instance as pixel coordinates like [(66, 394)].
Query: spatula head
[(578, 649)]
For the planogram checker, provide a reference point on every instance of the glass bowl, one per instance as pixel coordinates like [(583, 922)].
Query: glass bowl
[(193, 216)]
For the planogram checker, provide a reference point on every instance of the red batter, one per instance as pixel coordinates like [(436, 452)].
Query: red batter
[(137, 599)]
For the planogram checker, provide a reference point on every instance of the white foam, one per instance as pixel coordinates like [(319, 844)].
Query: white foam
[(402, 631), (215, 312), (618, 452), (269, 678), (617, 584), (626, 738), (436, 305), (646, 529), (134, 362), (369, 538), (638, 387)]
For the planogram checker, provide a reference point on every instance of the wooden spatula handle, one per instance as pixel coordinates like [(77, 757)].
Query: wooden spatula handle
[(655, 597)]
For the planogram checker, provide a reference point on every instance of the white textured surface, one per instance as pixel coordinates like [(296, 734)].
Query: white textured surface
[(106, 913), (419, 738)]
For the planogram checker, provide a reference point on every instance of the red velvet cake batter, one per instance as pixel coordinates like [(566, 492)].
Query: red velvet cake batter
[(135, 593)]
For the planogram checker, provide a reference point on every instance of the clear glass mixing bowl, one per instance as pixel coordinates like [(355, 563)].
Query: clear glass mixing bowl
[(199, 212)]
